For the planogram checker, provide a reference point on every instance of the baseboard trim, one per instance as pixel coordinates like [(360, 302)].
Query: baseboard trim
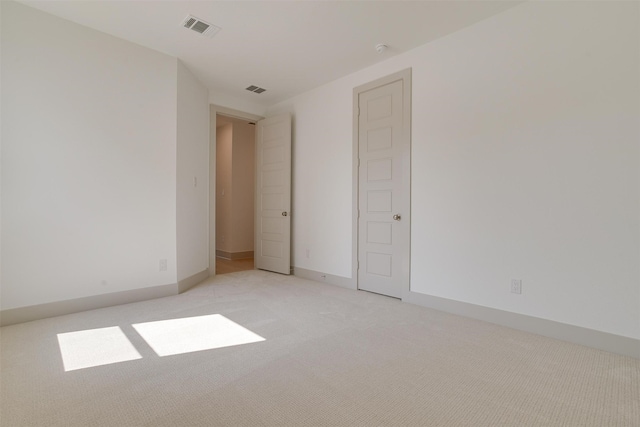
[(191, 281), (549, 328), (343, 282), (234, 255), (60, 308)]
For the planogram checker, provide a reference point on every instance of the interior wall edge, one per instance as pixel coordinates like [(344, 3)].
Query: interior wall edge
[(191, 281)]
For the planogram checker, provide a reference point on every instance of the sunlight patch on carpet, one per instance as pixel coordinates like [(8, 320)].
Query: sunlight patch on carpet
[(189, 334), (95, 347)]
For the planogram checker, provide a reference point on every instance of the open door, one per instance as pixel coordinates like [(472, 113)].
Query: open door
[(273, 195)]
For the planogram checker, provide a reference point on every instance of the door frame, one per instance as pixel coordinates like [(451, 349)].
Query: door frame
[(229, 112), (405, 76)]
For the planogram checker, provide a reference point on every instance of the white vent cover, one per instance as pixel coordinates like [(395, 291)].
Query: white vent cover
[(200, 26)]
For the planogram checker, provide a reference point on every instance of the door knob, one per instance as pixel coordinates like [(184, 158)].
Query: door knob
[(284, 214), (397, 217)]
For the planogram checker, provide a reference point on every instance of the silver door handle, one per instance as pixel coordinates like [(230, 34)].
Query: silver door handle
[(284, 214), (397, 217)]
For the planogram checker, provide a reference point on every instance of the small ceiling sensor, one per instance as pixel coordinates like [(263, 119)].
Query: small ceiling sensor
[(380, 48)]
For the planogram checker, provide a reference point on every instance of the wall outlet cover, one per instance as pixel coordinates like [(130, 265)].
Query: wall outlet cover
[(516, 286)]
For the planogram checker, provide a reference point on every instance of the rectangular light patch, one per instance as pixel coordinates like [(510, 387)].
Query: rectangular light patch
[(186, 335), (95, 347)]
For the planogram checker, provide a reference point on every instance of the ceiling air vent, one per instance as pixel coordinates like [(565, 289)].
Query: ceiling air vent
[(199, 26), (256, 89)]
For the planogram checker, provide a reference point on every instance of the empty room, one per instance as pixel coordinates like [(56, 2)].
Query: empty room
[(433, 218)]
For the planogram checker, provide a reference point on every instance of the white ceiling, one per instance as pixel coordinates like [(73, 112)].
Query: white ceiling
[(286, 47)]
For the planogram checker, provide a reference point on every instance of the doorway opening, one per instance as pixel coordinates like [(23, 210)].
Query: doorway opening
[(234, 194)]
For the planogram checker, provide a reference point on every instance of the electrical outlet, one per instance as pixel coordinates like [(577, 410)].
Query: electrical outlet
[(308, 252), (516, 286), (163, 265)]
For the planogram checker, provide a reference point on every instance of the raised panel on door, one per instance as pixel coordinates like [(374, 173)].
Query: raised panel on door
[(382, 240), (273, 195)]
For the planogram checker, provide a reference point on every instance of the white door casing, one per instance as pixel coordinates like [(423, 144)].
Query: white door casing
[(273, 195), (383, 138)]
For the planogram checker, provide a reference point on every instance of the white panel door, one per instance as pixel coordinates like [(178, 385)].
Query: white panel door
[(273, 195), (383, 226)]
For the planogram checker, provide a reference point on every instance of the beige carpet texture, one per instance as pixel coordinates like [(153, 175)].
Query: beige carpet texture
[(260, 349)]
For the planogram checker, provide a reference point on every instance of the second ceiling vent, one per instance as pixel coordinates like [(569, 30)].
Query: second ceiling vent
[(200, 26), (255, 89)]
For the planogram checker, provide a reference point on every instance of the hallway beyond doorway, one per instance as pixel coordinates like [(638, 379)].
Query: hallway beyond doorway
[(224, 266)]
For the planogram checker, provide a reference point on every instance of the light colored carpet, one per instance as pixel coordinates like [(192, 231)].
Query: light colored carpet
[(330, 357)]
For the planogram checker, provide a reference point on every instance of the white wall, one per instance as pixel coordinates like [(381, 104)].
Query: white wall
[(322, 176), (525, 165), (192, 187), (88, 161), (1, 133)]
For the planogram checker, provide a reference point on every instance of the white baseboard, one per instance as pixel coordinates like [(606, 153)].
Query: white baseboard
[(575, 334), (60, 308), (343, 282), (191, 281), (562, 331), (549, 328)]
